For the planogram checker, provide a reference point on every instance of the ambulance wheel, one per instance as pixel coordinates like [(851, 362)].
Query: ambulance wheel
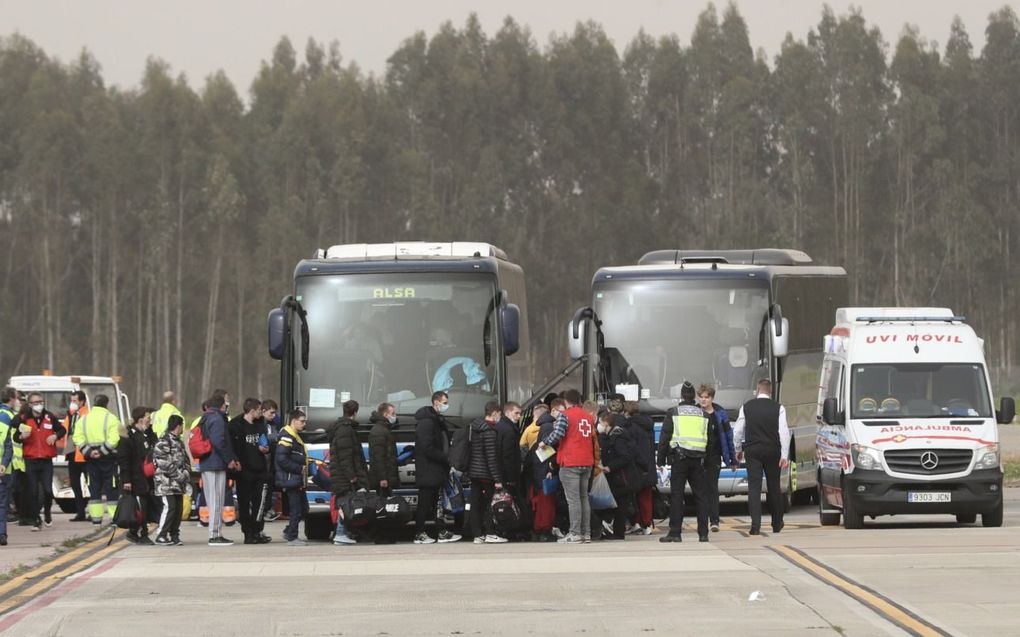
[(993, 518), (852, 519), (825, 518), (66, 504), (966, 518), (318, 527)]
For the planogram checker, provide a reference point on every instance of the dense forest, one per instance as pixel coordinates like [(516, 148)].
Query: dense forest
[(147, 231)]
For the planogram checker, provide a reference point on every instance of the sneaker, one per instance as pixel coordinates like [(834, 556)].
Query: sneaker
[(263, 539), (343, 539), (571, 538), (445, 537), (162, 540), (557, 533), (423, 538), (715, 527), (586, 539), (608, 527), (671, 538), (3, 540), (637, 529), (754, 532), (133, 538), (271, 516), (646, 530), (296, 542), (48, 521), (495, 539), (702, 538), (36, 527), (176, 541), (480, 539), (145, 540), (251, 539), (220, 541), (777, 529)]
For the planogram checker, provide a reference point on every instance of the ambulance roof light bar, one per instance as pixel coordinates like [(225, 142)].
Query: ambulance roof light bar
[(411, 250), (911, 319)]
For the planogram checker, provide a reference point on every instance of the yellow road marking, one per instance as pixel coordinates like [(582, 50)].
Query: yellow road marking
[(883, 606), (63, 559), (63, 573)]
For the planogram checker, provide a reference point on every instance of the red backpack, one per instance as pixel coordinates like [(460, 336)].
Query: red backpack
[(198, 442)]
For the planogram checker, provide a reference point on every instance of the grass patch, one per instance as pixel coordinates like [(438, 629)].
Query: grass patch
[(14, 572), (1011, 470)]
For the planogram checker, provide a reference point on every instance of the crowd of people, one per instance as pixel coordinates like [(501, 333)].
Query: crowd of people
[(574, 473)]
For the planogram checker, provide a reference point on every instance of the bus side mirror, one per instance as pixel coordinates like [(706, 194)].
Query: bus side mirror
[(1007, 410), (576, 333), (780, 333), (831, 414), (277, 329), (510, 317)]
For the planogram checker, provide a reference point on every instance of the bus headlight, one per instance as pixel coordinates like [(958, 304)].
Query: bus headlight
[(987, 457), (866, 457)]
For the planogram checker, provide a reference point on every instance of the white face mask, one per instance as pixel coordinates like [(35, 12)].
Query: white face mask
[(73, 407), (392, 419), (442, 408), (603, 429), (37, 409)]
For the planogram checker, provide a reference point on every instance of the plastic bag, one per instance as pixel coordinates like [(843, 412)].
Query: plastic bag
[(453, 495), (550, 485), (601, 495)]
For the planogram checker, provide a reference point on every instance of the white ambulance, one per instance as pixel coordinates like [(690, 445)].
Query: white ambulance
[(905, 419)]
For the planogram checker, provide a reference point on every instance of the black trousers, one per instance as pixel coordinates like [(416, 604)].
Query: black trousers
[(170, 517), (39, 491), (685, 471), (626, 505), (713, 465), (249, 505), (769, 465), (75, 470), (481, 499), (428, 503)]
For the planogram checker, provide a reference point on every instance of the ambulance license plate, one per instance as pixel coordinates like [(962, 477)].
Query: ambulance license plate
[(929, 496)]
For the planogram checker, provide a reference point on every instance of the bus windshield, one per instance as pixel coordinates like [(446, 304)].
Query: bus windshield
[(660, 333), (919, 390), (397, 338)]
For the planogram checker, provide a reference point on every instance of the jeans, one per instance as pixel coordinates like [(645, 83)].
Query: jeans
[(5, 481), (39, 493), (214, 486), (298, 506), (713, 465), (682, 471), (756, 465), (575, 487)]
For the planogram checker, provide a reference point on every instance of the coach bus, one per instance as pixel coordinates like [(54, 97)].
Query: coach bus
[(393, 323), (724, 317)]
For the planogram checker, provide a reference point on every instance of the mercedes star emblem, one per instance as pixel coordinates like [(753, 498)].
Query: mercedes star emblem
[(929, 460)]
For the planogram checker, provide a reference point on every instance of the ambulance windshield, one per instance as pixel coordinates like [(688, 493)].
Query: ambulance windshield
[(919, 390), (659, 333)]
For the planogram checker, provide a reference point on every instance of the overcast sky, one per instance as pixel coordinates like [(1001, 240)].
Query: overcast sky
[(201, 36)]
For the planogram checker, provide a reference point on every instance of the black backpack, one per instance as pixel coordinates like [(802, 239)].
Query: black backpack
[(460, 449), (505, 515)]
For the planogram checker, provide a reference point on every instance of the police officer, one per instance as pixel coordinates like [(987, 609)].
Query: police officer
[(97, 437), (682, 442), (762, 437), (8, 407)]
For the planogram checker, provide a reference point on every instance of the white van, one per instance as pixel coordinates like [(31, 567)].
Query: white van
[(905, 419), (56, 392)]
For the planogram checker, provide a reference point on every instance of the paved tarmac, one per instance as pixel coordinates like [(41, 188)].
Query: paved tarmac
[(937, 576), (900, 575)]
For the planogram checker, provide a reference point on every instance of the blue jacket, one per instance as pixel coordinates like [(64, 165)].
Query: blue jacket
[(725, 436), (223, 452), (290, 460)]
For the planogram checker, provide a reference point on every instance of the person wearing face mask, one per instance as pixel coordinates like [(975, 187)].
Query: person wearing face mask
[(133, 450), (77, 408), (432, 467), (8, 408), (346, 464), (620, 466), (383, 471), (38, 431)]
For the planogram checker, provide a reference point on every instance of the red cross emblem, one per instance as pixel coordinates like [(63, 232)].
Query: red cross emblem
[(584, 427)]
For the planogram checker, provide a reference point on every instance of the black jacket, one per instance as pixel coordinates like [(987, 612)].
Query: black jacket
[(244, 437), (431, 443), (642, 435), (508, 442), (619, 455), (382, 454), (486, 462), (132, 450), (346, 459)]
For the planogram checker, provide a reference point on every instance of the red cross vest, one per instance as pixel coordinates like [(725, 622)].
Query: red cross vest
[(577, 449)]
